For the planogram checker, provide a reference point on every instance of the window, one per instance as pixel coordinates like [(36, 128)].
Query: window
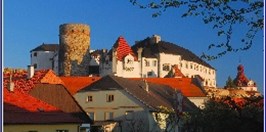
[(191, 66), (129, 61), (89, 98), (108, 115), (109, 98), (149, 73), (154, 63), (186, 65), (166, 67), (35, 54), (147, 63), (61, 130), (35, 66), (91, 115)]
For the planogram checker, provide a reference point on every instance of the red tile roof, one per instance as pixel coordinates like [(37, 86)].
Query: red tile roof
[(123, 49), (185, 85), (177, 72), (20, 107), (25, 85), (26, 102), (74, 83)]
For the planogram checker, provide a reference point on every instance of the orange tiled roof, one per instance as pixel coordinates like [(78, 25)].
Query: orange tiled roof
[(123, 49), (26, 101), (177, 72), (74, 83), (20, 107), (185, 85), (23, 84)]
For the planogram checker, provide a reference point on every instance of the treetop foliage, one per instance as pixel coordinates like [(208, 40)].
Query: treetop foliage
[(223, 15)]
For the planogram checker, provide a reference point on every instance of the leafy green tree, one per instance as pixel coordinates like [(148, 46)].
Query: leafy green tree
[(223, 15)]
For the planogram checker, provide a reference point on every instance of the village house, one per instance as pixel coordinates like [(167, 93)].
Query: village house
[(120, 104), (38, 101)]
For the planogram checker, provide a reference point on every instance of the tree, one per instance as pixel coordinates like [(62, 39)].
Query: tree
[(166, 118), (223, 15), (230, 83), (228, 115)]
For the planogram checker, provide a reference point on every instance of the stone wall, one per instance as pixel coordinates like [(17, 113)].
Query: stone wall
[(74, 41)]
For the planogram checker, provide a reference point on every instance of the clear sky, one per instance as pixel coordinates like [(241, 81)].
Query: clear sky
[(29, 23)]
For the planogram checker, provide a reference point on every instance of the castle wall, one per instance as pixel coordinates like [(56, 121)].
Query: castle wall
[(165, 63), (74, 49), (149, 67), (127, 70), (189, 69)]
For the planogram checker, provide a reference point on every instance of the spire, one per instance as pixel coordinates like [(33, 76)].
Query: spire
[(123, 48)]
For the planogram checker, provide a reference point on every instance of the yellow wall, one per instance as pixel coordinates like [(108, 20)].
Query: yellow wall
[(41, 128)]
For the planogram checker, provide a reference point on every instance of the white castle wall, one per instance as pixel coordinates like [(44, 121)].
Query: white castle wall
[(189, 69), (127, 70), (167, 59), (149, 67)]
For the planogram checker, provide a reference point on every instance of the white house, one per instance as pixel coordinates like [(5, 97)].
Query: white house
[(119, 104), (45, 56)]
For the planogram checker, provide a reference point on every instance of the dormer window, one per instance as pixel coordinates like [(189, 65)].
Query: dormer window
[(129, 61)]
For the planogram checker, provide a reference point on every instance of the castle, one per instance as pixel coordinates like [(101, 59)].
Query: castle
[(148, 58)]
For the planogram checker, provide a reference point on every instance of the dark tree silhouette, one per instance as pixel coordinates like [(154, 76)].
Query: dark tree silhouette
[(223, 15), (230, 83)]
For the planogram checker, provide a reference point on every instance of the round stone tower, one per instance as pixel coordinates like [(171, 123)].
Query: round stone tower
[(74, 47)]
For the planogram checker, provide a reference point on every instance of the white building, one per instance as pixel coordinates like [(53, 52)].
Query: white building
[(152, 57), (45, 56)]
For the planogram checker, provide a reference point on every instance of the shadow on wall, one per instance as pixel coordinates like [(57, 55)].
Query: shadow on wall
[(81, 69)]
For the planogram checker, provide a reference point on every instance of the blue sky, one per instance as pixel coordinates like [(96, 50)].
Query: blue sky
[(30, 23)]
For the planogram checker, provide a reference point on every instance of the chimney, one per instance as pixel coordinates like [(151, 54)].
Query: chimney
[(11, 84), (155, 39), (146, 86), (139, 53), (104, 50), (30, 71)]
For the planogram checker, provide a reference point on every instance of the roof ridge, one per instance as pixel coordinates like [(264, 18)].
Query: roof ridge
[(125, 89)]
